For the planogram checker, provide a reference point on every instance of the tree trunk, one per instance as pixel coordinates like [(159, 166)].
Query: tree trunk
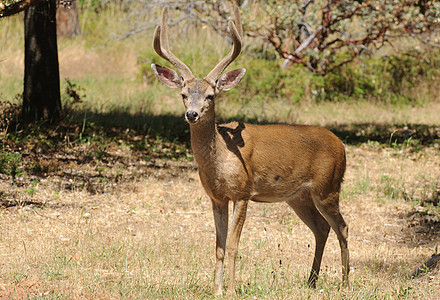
[(67, 20), (41, 96)]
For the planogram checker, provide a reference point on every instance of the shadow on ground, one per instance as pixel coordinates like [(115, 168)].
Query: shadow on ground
[(174, 128), (390, 134), (119, 144)]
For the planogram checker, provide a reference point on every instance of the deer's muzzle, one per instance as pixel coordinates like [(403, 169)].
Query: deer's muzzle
[(192, 116)]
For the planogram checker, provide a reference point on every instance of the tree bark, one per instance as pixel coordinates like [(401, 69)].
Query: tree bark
[(41, 96), (67, 20)]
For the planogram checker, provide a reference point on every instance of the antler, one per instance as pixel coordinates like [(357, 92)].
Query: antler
[(160, 44), (236, 33)]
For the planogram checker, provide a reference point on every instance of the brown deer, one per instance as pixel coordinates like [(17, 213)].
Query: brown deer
[(301, 165)]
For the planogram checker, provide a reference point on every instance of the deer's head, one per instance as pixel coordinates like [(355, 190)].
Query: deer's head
[(198, 94)]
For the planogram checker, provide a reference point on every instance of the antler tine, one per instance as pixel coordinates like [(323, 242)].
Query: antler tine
[(236, 34), (238, 21), (160, 45)]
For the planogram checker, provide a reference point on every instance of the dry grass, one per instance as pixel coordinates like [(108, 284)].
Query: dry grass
[(333, 114), (150, 234), (153, 237)]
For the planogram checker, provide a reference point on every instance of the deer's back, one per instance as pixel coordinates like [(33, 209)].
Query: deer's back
[(280, 160)]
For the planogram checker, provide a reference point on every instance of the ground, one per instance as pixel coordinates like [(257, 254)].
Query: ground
[(130, 227)]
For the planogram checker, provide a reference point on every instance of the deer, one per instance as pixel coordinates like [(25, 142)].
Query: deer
[(302, 165)]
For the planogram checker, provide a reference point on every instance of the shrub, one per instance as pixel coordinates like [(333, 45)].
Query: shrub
[(394, 78)]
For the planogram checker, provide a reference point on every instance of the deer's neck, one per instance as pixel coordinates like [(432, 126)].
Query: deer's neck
[(204, 140)]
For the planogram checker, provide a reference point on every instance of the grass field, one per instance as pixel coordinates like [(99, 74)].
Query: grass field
[(109, 205), (144, 229)]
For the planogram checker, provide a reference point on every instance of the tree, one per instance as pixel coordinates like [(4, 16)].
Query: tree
[(324, 35), (41, 96), (321, 35), (67, 19)]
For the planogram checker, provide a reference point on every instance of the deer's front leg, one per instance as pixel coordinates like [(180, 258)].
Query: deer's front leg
[(221, 229), (238, 218)]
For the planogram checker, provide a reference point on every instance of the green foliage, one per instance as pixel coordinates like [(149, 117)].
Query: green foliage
[(9, 2), (145, 60), (93, 5), (30, 191), (10, 164), (317, 34), (394, 79), (265, 81)]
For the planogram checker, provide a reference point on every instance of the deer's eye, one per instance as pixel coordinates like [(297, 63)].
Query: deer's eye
[(209, 98), (184, 97)]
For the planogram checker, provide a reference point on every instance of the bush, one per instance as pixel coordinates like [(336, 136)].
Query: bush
[(395, 78), (265, 81), (10, 164)]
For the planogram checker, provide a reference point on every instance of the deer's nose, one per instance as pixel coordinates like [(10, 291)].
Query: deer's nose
[(192, 116)]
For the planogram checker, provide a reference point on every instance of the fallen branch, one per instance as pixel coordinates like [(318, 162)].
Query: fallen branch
[(427, 266)]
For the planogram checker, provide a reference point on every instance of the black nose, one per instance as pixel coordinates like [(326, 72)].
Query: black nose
[(192, 116)]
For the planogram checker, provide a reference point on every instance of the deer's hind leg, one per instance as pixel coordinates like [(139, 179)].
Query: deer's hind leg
[(329, 208), (237, 222), (307, 212)]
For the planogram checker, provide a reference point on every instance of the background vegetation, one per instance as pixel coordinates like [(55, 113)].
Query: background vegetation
[(107, 204)]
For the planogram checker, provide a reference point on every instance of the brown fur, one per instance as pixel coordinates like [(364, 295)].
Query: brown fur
[(301, 165)]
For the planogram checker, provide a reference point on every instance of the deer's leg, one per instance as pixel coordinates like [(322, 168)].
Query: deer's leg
[(307, 212), (238, 218), (221, 229), (329, 208)]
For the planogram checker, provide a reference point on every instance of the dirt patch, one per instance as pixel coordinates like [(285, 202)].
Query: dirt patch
[(22, 289)]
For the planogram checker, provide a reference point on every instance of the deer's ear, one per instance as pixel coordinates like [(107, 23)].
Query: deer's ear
[(168, 76), (230, 79)]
